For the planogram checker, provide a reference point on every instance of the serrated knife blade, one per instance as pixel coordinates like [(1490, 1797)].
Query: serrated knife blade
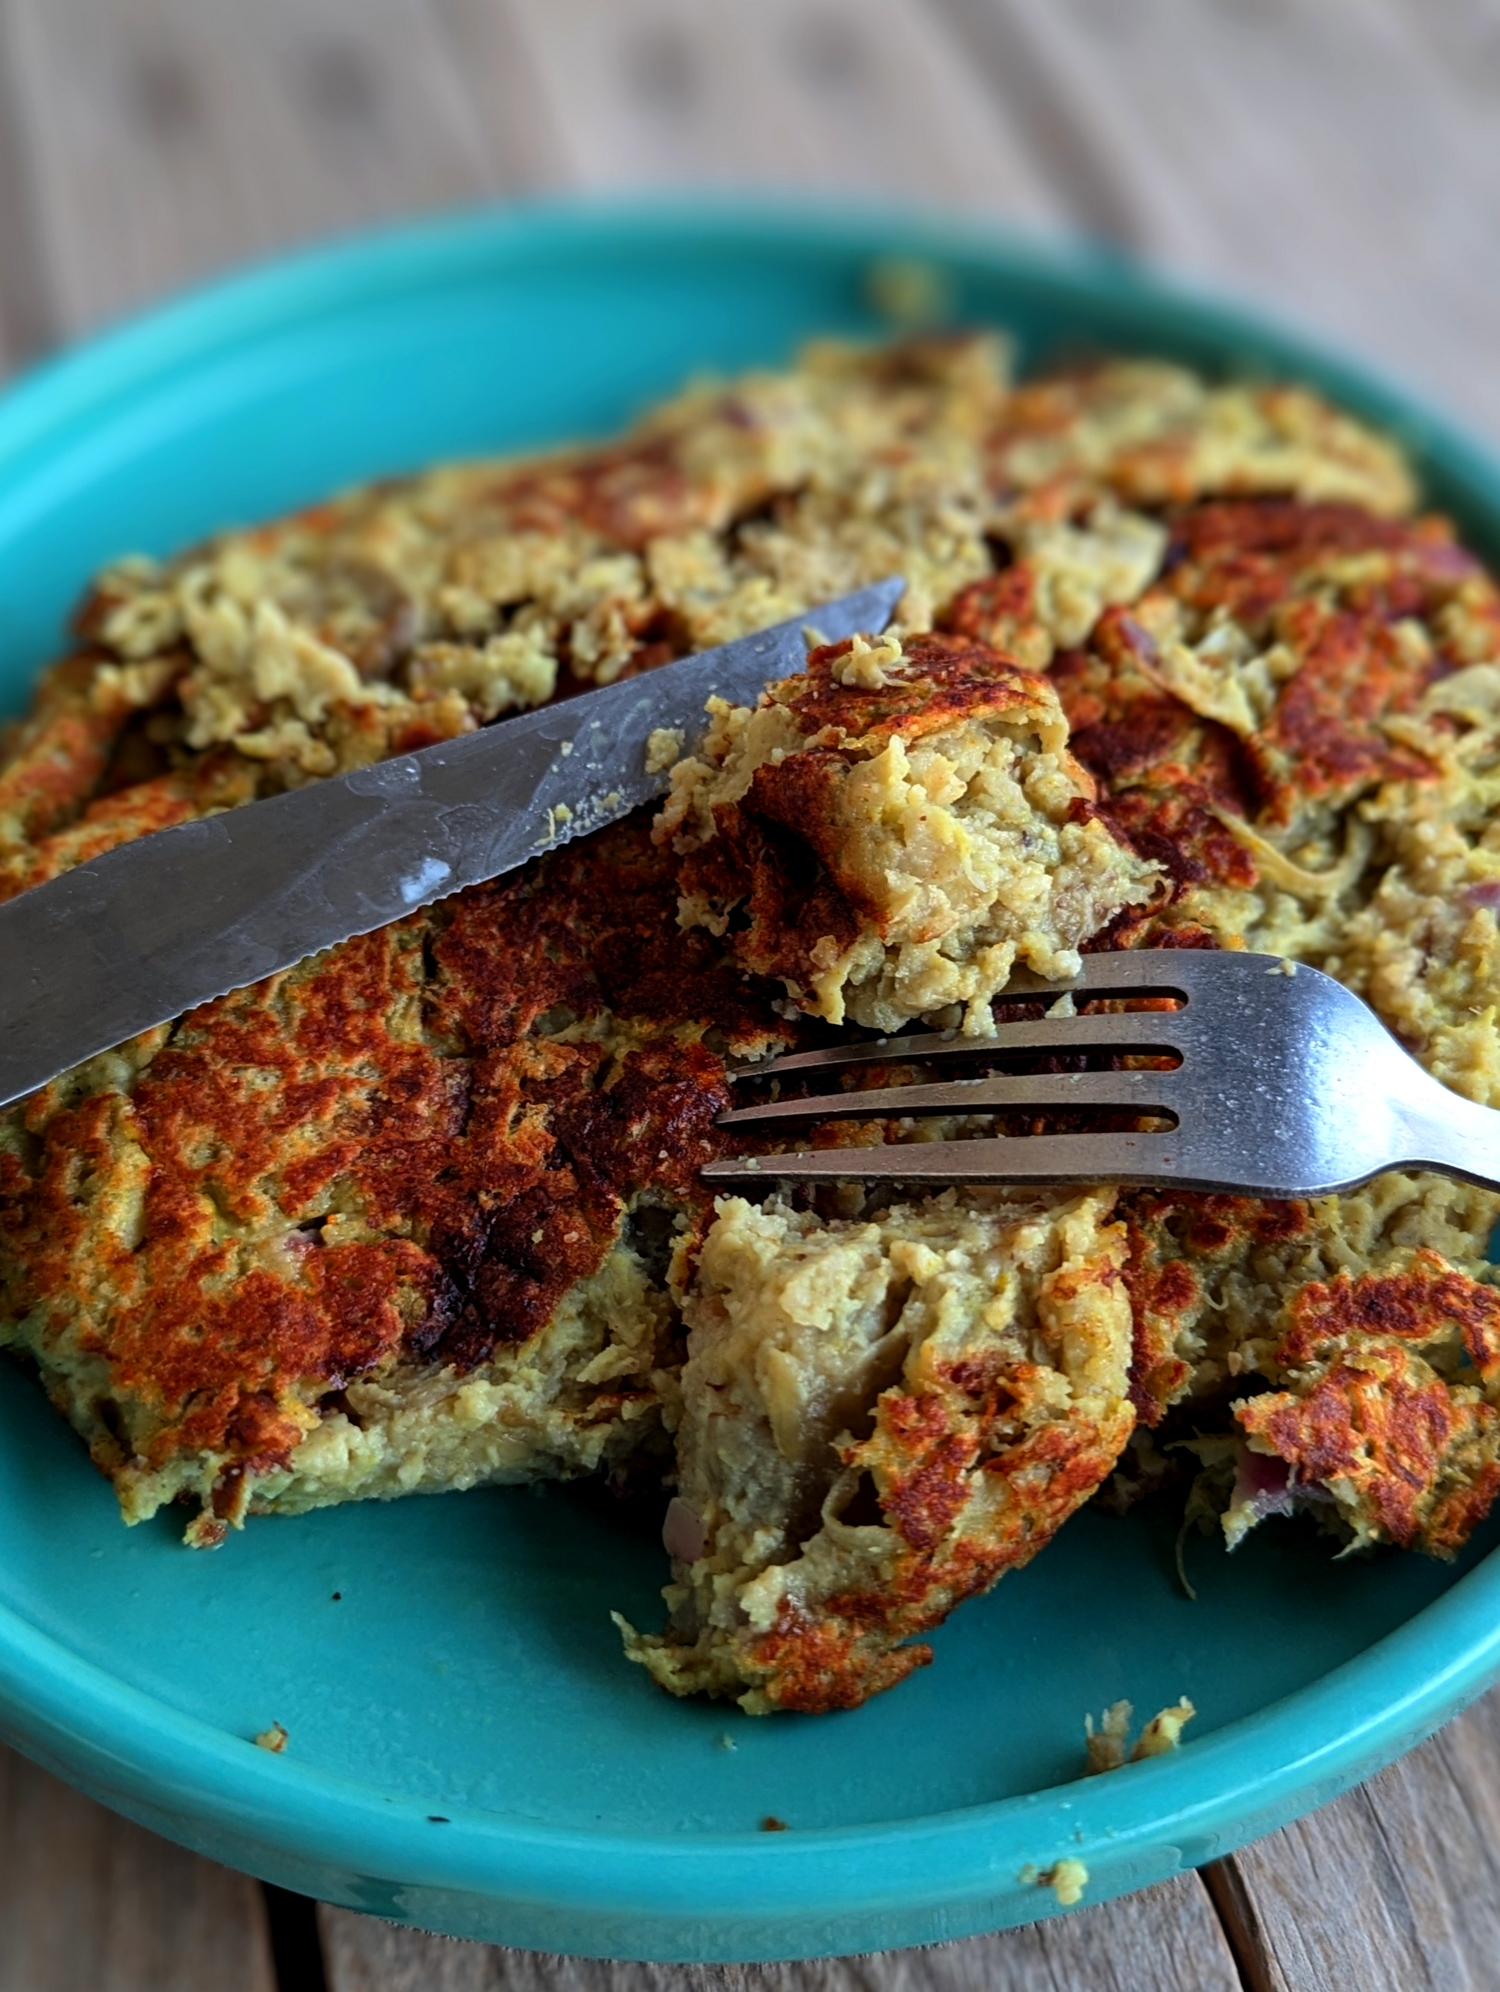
[(140, 935)]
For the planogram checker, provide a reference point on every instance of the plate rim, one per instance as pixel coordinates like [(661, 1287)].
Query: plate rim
[(807, 1892)]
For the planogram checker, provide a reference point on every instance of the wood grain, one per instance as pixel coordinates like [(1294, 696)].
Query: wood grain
[(90, 1903), (1395, 1885), (848, 96), (172, 137), (26, 322), (1166, 1939), (1335, 160)]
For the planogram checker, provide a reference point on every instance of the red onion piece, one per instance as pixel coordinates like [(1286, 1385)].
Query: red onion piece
[(683, 1535), (1268, 1485), (1263, 1483)]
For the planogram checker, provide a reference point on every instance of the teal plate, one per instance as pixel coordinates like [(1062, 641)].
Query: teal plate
[(468, 1750)]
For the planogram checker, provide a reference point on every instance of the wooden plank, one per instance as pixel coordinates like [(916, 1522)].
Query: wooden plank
[(530, 149), (90, 1903), (171, 137), (1325, 158), (1166, 1939), (26, 317), (1072, 119), (853, 96), (1395, 1885)]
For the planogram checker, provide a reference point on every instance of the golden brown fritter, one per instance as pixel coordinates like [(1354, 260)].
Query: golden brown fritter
[(411, 610), (1298, 721), (1391, 1403), (1248, 717), (1156, 436), (425, 1210), (1298, 1343)]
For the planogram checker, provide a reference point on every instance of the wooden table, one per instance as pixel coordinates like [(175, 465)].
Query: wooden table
[(1336, 159)]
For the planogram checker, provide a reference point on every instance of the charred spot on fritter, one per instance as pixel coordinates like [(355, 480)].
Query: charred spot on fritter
[(1001, 611), (376, 1202)]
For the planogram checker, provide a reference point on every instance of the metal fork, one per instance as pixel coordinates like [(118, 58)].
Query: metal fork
[(1284, 1085)]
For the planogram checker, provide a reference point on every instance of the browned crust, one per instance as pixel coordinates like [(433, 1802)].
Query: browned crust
[(922, 1457), (944, 680), (778, 853), (400, 1076), (57, 758), (1289, 575), (1416, 1449), (1176, 1239)]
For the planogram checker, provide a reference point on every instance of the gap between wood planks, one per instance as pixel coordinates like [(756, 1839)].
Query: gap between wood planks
[(296, 1945), (1166, 1939), (1393, 1888)]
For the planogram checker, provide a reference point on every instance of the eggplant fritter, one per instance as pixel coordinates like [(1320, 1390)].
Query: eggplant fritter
[(425, 1210), (1300, 720)]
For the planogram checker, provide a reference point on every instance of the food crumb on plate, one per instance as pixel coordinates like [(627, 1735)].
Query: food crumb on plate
[(273, 1739), (1067, 1879), (1108, 1745), (771, 1824), (909, 291)]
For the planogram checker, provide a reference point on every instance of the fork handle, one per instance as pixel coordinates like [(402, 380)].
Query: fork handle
[(1444, 1131)]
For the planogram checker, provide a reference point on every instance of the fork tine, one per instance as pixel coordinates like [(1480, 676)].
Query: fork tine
[(1289, 1085), (1138, 1030), (1142, 1092), (1131, 972), (1040, 1159)]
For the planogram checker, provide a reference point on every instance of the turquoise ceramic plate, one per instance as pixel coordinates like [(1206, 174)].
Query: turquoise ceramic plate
[(468, 1750)]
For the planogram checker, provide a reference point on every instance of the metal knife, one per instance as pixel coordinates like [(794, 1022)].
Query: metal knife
[(147, 931)]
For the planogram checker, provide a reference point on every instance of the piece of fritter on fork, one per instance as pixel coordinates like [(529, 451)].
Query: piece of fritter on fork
[(895, 830)]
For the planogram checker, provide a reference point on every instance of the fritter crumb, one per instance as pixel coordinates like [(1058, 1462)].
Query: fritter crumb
[(1067, 1879), (1107, 1747)]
